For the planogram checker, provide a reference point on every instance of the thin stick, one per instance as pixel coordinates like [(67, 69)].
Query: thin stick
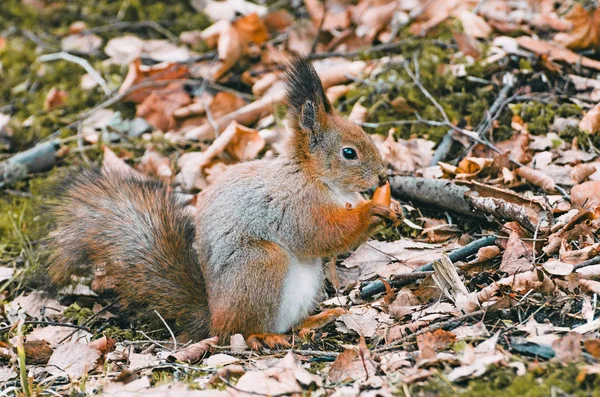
[(469, 134), (169, 328), (378, 286), (5, 329), (589, 262), (81, 62), (431, 328)]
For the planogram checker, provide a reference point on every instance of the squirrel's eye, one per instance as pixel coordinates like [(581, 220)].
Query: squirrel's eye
[(349, 153)]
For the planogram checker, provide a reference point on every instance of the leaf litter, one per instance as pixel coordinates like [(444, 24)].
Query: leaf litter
[(522, 157)]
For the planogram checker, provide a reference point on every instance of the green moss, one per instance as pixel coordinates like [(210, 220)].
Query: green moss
[(503, 381)]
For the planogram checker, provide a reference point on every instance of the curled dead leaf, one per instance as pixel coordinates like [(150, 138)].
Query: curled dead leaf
[(194, 352), (537, 178), (591, 120), (586, 195), (55, 98), (585, 31)]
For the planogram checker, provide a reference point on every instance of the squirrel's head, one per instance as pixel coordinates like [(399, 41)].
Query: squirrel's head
[(336, 150)]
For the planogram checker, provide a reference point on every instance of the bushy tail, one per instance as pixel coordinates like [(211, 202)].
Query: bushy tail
[(135, 236)]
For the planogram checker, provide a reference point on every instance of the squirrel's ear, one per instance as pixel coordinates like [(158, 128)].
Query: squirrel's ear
[(308, 105)]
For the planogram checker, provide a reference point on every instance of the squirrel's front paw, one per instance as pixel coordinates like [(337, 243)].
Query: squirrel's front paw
[(258, 341), (378, 214)]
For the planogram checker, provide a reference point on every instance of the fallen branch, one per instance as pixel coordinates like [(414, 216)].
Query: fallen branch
[(401, 280), (589, 262), (473, 199)]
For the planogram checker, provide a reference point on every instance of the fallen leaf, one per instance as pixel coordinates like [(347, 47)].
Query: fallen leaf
[(337, 15), (138, 361), (138, 73), (73, 359), (556, 52), (517, 257), (154, 164), (194, 352), (81, 43), (219, 359), (158, 108), (568, 348), (228, 9), (593, 347), (537, 178), (37, 351), (353, 364), (591, 120), (285, 377), (37, 306), (558, 268), (246, 144), (585, 195), (55, 98), (474, 25), (234, 40), (104, 345), (585, 31), (431, 342)]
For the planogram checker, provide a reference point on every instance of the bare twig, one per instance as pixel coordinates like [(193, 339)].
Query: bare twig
[(169, 328), (81, 62), (431, 328), (31, 322)]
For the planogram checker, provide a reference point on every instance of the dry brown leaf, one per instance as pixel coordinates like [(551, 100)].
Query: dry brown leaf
[(158, 108), (585, 32), (138, 73), (82, 43), (557, 268), (405, 156), (586, 195), (537, 178), (568, 348), (591, 120), (277, 21), (194, 352), (582, 171), (336, 17), (371, 17), (228, 9), (285, 377), (576, 256), (55, 98), (485, 254), (358, 114), (73, 359), (37, 351), (154, 164), (246, 144), (593, 347), (354, 363), (467, 44), (517, 256), (431, 342), (104, 345), (234, 40), (474, 25), (36, 305), (555, 52)]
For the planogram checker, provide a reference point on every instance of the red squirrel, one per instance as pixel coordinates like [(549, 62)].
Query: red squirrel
[(249, 260)]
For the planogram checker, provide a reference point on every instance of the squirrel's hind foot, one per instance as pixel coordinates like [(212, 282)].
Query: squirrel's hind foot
[(259, 341)]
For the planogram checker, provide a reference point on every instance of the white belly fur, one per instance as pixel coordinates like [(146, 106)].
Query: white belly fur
[(301, 288)]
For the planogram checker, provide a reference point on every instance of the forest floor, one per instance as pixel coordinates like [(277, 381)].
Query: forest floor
[(487, 113)]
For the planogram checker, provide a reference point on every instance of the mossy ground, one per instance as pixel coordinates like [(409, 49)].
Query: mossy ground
[(25, 83)]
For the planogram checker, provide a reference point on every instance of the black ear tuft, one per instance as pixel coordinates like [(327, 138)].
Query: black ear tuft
[(304, 85)]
